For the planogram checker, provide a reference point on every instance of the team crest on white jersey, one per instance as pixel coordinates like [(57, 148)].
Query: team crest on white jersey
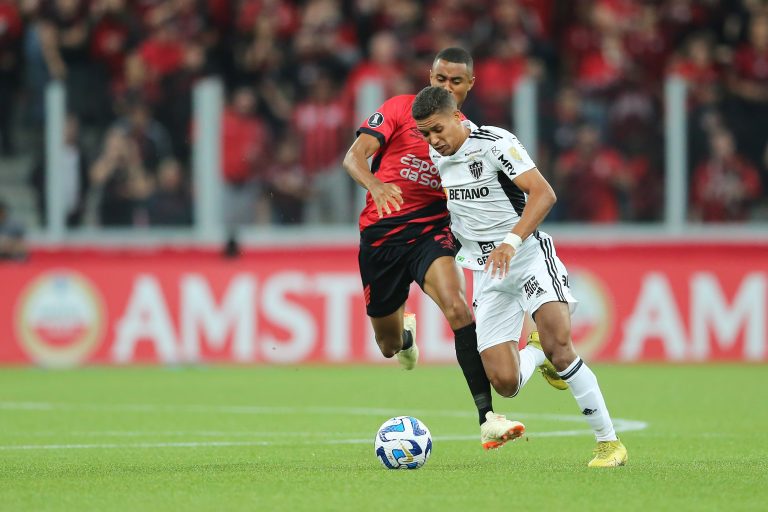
[(476, 169)]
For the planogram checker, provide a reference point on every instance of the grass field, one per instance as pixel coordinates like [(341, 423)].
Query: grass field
[(301, 438)]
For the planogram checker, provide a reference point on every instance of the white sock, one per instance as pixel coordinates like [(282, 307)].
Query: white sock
[(586, 391), (530, 358)]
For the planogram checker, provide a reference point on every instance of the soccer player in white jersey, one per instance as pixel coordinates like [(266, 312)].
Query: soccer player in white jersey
[(497, 198)]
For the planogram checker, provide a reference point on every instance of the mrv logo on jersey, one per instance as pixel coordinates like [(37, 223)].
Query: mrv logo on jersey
[(464, 194)]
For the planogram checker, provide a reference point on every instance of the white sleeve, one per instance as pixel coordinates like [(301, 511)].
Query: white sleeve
[(511, 157)]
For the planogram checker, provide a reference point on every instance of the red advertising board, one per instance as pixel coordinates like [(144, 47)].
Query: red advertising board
[(637, 302)]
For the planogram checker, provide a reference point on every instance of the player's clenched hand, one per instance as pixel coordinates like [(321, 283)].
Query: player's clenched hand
[(499, 259), (387, 197)]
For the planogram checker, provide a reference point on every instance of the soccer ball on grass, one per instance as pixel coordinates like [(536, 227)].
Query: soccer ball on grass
[(403, 442)]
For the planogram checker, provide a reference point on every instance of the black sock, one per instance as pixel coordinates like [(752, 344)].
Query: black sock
[(407, 340), (472, 366)]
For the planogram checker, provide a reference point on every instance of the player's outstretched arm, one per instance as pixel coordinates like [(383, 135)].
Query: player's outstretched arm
[(387, 196), (541, 198)]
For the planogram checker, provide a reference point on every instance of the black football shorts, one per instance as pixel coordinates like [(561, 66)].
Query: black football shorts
[(388, 271)]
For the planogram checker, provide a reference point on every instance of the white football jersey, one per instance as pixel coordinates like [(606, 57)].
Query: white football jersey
[(484, 202)]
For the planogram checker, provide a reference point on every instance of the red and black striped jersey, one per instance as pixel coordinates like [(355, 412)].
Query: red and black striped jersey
[(402, 159)]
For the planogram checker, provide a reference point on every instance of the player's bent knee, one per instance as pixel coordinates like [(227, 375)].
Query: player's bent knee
[(389, 346), (457, 313), (561, 354), (387, 352), (506, 385)]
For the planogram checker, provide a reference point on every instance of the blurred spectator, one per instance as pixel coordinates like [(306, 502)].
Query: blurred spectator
[(115, 32), (322, 125), (73, 172), (383, 66), (12, 245), (599, 76), (37, 53), (163, 50), (243, 151), (748, 82), (647, 46), (66, 46), (134, 85), (591, 179), (150, 137), (567, 118), (289, 184), (10, 66), (697, 65), (170, 203), (500, 73), (703, 77), (119, 181), (175, 111), (726, 185), (324, 37), (682, 17)]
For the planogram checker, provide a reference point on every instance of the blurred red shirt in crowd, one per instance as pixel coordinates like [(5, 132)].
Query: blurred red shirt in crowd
[(698, 68), (591, 176), (322, 123), (244, 138), (725, 185)]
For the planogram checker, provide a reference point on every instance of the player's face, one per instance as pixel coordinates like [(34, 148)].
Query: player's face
[(443, 131), (453, 77)]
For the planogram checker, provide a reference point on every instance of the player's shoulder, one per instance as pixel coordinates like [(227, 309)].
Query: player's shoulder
[(400, 101), (482, 139), (393, 112), (491, 134)]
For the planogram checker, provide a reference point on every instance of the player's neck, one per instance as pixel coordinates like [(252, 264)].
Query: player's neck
[(467, 131)]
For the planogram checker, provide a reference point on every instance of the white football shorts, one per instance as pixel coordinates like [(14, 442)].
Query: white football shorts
[(536, 276)]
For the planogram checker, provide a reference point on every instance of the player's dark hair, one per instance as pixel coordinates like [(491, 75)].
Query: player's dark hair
[(431, 100), (457, 56)]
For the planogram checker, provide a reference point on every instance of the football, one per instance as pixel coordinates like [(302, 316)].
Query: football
[(403, 442)]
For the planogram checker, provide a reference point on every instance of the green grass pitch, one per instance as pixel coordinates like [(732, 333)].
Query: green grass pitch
[(301, 438)]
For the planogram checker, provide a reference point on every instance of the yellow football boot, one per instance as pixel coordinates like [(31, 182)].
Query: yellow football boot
[(609, 454)]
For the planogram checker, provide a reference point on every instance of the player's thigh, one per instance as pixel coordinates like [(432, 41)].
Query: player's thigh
[(434, 269), (444, 283)]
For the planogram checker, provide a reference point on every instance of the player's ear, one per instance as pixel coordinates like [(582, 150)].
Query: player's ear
[(471, 83)]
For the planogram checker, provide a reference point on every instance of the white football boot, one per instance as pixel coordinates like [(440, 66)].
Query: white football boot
[(408, 358), (497, 430)]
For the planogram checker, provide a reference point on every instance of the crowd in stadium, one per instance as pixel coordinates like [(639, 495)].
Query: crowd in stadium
[(292, 71)]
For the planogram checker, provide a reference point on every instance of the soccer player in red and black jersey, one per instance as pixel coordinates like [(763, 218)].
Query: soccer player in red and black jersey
[(405, 231)]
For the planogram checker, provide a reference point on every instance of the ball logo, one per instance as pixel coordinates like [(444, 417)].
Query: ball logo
[(375, 120), (592, 322), (59, 319)]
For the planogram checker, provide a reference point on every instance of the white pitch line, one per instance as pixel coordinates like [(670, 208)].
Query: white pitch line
[(292, 442), (620, 425), (251, 409)]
